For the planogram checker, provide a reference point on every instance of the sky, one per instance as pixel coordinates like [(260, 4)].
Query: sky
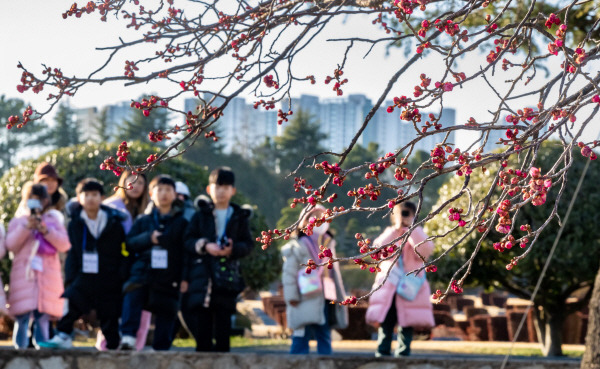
[(34, 32)]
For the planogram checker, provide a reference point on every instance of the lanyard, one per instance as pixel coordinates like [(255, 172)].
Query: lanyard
[(227, 218), (155, 217), (85, 232)]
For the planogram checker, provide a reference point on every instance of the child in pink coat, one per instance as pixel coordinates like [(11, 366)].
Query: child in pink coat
[(388, 309), (36, 282)]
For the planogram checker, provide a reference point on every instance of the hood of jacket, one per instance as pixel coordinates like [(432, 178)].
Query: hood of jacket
[(176, 208), (206, 205), (74, 211)]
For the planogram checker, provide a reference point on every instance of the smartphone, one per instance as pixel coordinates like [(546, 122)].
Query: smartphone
[(35, 206), (223, 242)]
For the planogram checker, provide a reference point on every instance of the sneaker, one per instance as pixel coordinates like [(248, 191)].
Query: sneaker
[(127, 343), (59, 341)]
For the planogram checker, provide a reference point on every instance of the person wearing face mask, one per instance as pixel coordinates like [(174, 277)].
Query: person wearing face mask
[(36, 283), (308, 295), (393, 304)]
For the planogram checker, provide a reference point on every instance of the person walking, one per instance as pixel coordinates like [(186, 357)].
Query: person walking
[(309, 296), (392, 305)]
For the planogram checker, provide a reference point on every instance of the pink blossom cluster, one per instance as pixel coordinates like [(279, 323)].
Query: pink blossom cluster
[(15, 120), (504, 221), (538, 187), (587, 151), (456, 216)]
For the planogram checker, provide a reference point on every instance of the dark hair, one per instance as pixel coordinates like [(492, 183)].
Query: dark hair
[(404, 205), (89, 185), (222, 176), (409, 205), (162, 179), (38, 190)]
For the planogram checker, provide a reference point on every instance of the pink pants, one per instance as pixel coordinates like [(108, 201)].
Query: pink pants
[(140, 337)]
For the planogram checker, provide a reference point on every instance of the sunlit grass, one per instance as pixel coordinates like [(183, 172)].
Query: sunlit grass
[(238, 342)]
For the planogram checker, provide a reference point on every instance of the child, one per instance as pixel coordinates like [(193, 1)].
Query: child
[(94, 266), (308, 310), (157, 239), (36, 282), (132, 202), (386, 307), (217, 237)]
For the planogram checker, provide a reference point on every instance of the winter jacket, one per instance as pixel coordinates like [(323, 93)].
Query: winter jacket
[(163, 283), (198, 266), (33, 289), (3, 309), (111, 260), (311, 309), (416, 313)]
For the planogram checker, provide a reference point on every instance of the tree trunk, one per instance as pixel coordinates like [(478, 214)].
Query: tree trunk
[(549, 331), (591, 356)]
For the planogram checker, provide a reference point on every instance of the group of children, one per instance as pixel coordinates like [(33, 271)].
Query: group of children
[(143, 252)]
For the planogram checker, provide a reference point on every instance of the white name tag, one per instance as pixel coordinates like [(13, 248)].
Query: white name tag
[(37, 263), (159, 258), (90, 262)]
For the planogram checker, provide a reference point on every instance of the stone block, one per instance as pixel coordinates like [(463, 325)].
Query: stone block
[(424, 366), (55, 362), (20, 363), (378, 366)]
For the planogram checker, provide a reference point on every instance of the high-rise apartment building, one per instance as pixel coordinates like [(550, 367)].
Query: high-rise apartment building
[(341, 118), (241, 128)]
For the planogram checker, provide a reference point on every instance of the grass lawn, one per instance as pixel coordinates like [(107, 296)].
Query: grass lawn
[(418, 347), (239, 342), (492, 349)]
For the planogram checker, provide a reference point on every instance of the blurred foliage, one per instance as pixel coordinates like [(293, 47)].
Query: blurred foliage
[(64, 133), (572, 266)]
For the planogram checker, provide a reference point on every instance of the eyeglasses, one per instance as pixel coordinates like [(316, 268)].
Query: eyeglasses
[(405, 213)]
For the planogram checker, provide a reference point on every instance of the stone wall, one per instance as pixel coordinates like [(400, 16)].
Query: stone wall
[(83, 359)]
